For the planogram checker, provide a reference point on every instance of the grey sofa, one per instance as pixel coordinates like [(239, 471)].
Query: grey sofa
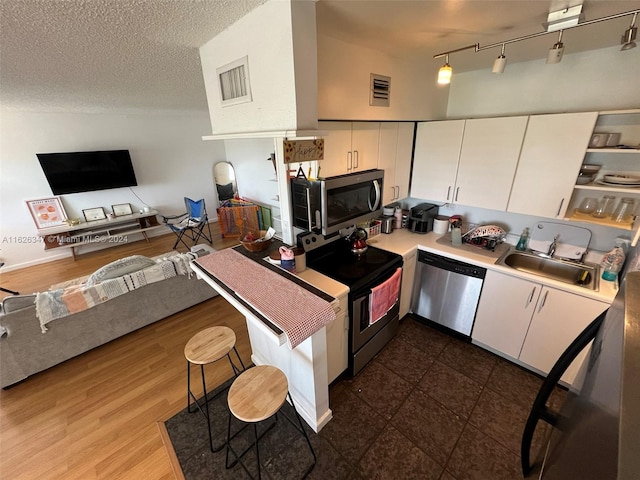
[(25, 350)]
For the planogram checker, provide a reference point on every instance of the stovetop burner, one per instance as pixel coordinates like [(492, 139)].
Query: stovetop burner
[(336, 261)]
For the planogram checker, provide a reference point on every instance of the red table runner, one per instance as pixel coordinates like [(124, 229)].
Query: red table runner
[(295, 310)]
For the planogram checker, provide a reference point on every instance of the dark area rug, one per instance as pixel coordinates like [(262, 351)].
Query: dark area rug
[(284, 453)]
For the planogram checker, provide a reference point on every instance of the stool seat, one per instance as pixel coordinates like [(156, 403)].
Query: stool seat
[(258, 393), (209, 345)]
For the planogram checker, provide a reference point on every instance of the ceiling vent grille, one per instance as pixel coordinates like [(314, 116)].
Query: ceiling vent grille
[(380, 90), (234, 82)]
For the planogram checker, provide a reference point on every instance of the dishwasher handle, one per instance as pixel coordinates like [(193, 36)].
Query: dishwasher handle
[(451, 265)]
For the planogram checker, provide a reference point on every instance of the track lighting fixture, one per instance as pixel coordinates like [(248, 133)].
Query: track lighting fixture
[(445, 72), (555, 52), (558, 21), (630, 35), (500, 62)]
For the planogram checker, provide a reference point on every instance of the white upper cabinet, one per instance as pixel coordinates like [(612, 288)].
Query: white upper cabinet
[(435, 159), (468, 162), (552, 153), (488, 160), (349, 147), (396, 144)]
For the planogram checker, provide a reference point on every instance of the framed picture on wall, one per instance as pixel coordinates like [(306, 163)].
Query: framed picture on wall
[(93, 214), (47, 212), (121, 209)]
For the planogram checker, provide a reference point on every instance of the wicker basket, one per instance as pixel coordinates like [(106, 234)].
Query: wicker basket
[(257, 246), (374, 229)]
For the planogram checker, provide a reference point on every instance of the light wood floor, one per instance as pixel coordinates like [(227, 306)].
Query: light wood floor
[(96, 415)]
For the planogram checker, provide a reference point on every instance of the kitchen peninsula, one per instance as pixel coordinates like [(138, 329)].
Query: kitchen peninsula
[(244, 279)]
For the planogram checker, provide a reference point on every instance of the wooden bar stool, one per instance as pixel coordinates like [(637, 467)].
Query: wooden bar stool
[(256, 395), (205, 347)]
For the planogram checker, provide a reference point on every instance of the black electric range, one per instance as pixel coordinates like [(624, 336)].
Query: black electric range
[(334, 259), (361, 273)]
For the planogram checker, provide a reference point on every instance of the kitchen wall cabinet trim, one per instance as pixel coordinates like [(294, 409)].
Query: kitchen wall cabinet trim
[(408, 276)]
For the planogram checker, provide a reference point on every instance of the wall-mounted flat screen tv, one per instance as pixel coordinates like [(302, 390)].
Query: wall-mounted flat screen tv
[(75, 172)]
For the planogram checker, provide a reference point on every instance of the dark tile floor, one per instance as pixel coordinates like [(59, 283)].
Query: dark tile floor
[(429, 406)]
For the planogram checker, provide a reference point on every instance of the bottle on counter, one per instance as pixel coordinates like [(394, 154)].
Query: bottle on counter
[(524, 238), (398, 218), (612, 264)]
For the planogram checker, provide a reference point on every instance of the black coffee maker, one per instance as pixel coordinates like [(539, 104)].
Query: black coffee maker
[(421, 217)]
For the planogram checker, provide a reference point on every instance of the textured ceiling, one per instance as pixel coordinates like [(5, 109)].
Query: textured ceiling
[(109, 54), (143, 54)]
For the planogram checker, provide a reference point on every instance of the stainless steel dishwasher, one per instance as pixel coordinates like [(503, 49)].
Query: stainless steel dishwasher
[(447, 291)]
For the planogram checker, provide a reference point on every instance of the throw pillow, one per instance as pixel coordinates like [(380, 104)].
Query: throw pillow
[(225, 192), (118, 268)]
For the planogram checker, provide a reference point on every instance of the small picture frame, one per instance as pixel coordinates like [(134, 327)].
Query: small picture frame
[(93, 214), (47, 212), (121, 209)]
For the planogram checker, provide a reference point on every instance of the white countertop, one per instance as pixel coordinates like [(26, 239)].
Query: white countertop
[(403, 242)]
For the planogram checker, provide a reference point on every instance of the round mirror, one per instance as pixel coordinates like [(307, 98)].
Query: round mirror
[(225, 178)]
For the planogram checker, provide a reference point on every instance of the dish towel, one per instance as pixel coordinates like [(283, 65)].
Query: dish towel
[(384, 297)]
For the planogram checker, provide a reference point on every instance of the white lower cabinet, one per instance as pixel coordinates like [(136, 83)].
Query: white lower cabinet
[(337, 338), (408, 275), (531, 322)]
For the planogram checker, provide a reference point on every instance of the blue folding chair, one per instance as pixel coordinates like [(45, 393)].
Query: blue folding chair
[(190, 224)]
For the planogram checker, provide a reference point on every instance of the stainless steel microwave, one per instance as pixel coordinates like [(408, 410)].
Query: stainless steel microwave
[(328, 205)]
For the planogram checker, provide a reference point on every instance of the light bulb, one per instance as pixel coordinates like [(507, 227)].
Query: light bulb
[(444, 74)]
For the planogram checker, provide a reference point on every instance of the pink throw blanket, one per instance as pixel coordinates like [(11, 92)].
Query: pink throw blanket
[(384, 297)]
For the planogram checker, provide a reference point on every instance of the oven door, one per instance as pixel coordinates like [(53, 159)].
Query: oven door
[(365, 339), (350, 199)]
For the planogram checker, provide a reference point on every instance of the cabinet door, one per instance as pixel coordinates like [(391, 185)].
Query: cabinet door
[(337, 342), (408, 275), (558, 320), (553, 149), (403, 158), (387, 159), (504, 312), (364, 145), (337, 148), (435, 161), (488, 160)]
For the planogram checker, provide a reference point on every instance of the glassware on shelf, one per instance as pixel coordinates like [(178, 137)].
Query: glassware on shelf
[(624, 212), (605, 207), (588, 205)]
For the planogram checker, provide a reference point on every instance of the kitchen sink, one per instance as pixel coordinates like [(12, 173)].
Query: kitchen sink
[(567, 271)]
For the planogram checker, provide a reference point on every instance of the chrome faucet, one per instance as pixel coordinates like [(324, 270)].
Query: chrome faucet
[(552, 247)]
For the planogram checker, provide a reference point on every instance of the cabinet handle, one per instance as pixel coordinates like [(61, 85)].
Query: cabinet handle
[(349, 161), (544, 300), (531, 296), (357, 158), (457, 191), (448, 192), (396, 193), (559, 208)]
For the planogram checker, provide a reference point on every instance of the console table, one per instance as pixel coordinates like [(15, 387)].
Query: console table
[(109, 232)]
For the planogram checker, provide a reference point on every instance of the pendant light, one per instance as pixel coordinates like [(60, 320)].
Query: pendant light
[(500, 62), (555, 52), (630, 35), (445, 72)]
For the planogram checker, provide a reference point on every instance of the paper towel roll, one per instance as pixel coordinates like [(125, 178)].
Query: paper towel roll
[(440, 225)]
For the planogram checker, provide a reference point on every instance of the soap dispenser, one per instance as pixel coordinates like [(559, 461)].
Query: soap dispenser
[(522, 243)]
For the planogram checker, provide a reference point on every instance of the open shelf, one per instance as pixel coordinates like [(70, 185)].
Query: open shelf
[(607, 222)]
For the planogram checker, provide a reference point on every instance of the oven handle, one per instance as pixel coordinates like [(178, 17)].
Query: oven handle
[(376, 186), (309, 207)]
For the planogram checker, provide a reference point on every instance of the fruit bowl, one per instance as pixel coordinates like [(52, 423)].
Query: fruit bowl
[(257, 245)]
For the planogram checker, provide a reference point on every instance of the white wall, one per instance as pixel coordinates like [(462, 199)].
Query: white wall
[(282, 69), (604, 79), (169, 157), (344, 73), (255, 173)]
